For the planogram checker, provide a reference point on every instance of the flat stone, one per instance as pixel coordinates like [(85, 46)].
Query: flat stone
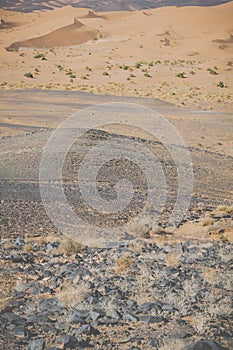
[(20, 332), (94, 315), (66, 342), (154, 343), (150, 319), (36, 344), (130, 317), (86, 329), (15, 319), (206, 345)]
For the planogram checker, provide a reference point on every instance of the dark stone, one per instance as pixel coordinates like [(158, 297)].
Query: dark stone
[(39, 319), (94, 315), (154, 343), (66, 342), (206, 345), (20, 332), (145, 307), (86, 329), (82, 313), (150, 319), (15, 319), (130, 317), (114, 314), (36, 344)]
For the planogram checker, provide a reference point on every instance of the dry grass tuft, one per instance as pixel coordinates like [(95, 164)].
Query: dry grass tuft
[(68, 246), (122, 264), (136, 247), (71, 296), (207, 221), (176, 344), (3, 303), (138, 230), (209, 275), (28, 248), (172, 259), (226, 209)]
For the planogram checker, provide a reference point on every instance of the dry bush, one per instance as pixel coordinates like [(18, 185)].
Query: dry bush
[(28, 248), (43, 239), (209, 275), (226, 209), (172, 259), (71, 296), (122, 264), (68, 246), (3, 303), (173, 344), (207, 221), (136, 247), (200, 323), (138, 229), (159, 240)]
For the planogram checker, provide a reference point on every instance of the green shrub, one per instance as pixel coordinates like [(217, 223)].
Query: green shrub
[(28, 75), (180, 75), (137, 64), (221, 84), (212, 71), (39, 55)]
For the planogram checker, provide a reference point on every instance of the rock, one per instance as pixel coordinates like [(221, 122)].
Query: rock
[(36, 344), (150, 319), (15, 319), (87, 329), (206, 345), (130, 317), (94, 315), (113, 313), (145, 307), (20, 332), (49, 247), (66, 342), (154, 343), (19, 241), (79, 316)]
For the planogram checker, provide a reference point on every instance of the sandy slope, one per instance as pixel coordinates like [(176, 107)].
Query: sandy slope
[(188, 40)]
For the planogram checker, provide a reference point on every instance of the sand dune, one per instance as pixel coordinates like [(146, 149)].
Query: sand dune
[(73, 34), (188, 42), (92, 14)]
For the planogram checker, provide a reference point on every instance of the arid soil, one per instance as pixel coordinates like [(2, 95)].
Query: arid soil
[(148, 286)]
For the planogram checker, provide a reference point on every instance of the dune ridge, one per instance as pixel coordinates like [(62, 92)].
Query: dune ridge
[(182, 55)]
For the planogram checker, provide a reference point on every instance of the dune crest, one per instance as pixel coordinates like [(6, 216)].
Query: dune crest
[(73, 34)]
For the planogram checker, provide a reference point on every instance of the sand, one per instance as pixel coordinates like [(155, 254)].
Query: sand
[(180, 55)]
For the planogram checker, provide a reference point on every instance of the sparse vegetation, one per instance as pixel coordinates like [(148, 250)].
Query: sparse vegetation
[(212, 71), (122, 264), (29, 75), (226, 209), (71, 295), (207, 221), (181, 75), (221, 84), (69, 246), (39, 55)]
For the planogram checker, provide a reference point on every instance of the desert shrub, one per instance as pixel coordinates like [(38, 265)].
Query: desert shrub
[(28, 75), (180, 75)]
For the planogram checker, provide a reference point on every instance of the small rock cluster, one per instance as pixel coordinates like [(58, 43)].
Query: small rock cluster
[(144, 295)]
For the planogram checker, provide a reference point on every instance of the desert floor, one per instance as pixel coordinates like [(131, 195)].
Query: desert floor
[(181, 55), (148, 287)]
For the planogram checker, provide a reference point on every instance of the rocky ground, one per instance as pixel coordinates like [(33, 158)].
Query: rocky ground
[(153, 293), (158, 290)]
